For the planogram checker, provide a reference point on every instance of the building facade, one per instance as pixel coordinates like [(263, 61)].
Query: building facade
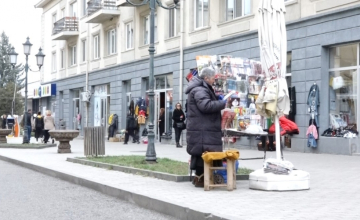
[(101, 47)]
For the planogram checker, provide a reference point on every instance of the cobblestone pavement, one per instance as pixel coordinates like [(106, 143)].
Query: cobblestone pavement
[(333, 194), (26, 194)]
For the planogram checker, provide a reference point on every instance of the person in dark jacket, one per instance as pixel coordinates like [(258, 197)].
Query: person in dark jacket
[(131, 127), (203, 121), (178, 117), (39, 126), (3, 122), (27, 124), (161, 122)]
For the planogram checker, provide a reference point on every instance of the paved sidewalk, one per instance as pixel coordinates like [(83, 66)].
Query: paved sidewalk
[(334, 182)]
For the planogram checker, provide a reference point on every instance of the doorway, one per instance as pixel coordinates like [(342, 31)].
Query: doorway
[(163, 99), (76, 111)]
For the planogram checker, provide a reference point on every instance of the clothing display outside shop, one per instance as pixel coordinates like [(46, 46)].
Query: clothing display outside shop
[(313, 102), (312, 135)]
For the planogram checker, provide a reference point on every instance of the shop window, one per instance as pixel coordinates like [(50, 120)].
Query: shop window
[(164, 81), (288, 69), (236, 8), (344, 70), (343, 56), (160, 82), (201, 13)]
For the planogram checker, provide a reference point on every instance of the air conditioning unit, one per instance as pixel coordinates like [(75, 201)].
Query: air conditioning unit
[(85, 96)]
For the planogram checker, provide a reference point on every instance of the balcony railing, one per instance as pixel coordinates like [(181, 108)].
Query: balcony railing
[(95, 5), (66, 24)]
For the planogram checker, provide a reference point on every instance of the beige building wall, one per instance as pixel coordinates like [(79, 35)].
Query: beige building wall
[(215, 29)]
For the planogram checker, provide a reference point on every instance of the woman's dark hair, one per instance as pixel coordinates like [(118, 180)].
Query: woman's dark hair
[(39, 113)]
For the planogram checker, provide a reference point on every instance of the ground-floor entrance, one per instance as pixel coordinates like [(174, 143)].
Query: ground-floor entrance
[(163, 104)]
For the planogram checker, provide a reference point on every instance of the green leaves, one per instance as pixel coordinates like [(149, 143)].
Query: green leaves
[(9, 77)]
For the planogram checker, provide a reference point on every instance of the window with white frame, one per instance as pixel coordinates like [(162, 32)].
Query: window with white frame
[(174, 22), (146, 26), (343, 90), (62, 59), (237, 8), (63, 13), (53, 62), (83, 54), (201, 13), (73, 55), (83, 7), (54, 19), (96, 47), (73, 9), (129, 35), (111, 41), (146, 30)]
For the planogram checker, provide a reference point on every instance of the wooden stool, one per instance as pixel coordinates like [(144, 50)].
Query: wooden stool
[(209, 175)]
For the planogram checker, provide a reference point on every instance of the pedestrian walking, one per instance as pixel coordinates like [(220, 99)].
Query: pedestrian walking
[(131, 126), (49, 124), (27, 124), (203, 122), (161, 122), (178, 125), (39, 126)]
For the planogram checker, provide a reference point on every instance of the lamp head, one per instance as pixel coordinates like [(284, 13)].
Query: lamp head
[(27, 46), (40, 58), (13, 57)]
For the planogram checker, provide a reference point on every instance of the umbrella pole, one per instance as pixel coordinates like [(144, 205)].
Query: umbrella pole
[(277, 137)]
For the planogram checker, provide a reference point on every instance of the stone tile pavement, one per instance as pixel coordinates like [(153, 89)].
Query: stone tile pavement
[(334, 182)]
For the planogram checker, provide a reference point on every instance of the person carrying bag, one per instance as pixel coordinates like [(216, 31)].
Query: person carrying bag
[(179, 123)]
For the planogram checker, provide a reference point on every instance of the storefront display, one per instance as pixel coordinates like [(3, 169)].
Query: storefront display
[(343, 92), (240, 81)]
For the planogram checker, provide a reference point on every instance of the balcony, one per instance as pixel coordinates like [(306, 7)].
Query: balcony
[(65, 28), (99, 11), (124, 3)]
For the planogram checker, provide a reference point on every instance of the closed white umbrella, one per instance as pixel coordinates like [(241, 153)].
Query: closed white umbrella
[(272, 41)]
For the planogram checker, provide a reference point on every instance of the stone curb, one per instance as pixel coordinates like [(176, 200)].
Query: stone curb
[(170, 209), (137, 171), (38, 147)]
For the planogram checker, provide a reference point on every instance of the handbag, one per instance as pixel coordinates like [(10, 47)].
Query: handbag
[(180, 125)]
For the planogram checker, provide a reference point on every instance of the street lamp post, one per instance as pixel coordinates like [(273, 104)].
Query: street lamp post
[(150, 152), (40, 61)]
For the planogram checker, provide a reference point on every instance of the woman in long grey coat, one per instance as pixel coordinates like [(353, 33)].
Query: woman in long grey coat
[(203, 120)]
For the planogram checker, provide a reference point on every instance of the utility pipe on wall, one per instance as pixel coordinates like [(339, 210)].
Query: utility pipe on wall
[(181, 74)]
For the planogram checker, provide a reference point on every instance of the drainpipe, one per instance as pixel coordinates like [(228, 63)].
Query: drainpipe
[(181, 75), (87, 75)]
